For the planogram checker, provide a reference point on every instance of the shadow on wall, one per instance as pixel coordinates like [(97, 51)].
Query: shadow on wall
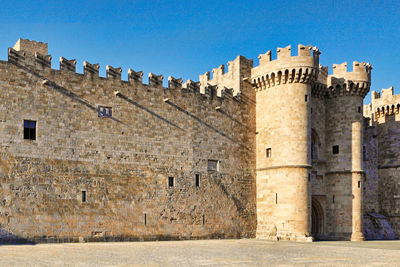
[(376, 227), (7, 238)]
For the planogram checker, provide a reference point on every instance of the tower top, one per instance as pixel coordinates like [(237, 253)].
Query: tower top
[(30, 47)]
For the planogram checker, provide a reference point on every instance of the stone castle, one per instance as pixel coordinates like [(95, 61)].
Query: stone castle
[(279, 151)]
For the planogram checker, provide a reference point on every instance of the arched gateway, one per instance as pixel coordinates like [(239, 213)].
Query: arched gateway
[(317, 220)]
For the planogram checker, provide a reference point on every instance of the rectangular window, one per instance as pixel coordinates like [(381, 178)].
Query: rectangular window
[(359, 184), (145, 219), (333, 199), (359, 109), (306, 98), (276, 198), (29, 130), (335, 149), (171, 181), (268, 152), (204, 219), (104, 111), (197, 180), (213, 165), (83, 196)]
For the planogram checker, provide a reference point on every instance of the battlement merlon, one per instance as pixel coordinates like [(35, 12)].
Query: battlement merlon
[(323, 74), (31, 47), (356, 82), (238, 69), (113, 73), (361, 71), (67, 65), (308, 57)]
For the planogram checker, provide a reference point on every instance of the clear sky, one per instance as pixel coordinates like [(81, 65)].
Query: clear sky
[(187, 38)]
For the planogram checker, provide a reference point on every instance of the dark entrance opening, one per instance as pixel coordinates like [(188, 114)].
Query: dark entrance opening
[(317, 220)]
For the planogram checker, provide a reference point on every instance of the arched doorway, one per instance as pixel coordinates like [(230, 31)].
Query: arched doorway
[(317, 220)]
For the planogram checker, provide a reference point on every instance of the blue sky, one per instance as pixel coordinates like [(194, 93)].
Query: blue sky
[(188, 38)]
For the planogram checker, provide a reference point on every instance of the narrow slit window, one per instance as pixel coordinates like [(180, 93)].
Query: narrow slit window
[(333, 199), (276, 198), (306, 98), (359, 109), (84, 196), (29, 130), (197, 180), (268, 152), (335, 150), (204, 219), (365, 153), (170, 181), (145, 219), (359, 184)]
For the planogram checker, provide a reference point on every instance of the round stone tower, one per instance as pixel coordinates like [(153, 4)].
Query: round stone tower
[(283, 92), (344, 150)]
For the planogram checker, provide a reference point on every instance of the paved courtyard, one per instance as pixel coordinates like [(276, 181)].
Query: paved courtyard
[(244, 252)]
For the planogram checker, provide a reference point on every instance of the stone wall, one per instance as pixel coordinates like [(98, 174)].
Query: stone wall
[(123, 162), (383, 114)]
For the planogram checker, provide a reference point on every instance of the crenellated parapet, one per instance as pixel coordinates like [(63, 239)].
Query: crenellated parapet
[(31, 46), (383, 104), (344, 83), (238, 69), (217, 91), (303, 68)]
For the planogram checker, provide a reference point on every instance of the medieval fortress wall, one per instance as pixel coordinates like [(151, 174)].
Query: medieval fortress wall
[(123, 162), (274, 151), (384, 148)]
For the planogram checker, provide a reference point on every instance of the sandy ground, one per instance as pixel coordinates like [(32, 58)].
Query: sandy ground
[(244, 252)]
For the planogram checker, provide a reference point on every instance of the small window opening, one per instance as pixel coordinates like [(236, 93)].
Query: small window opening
[(268, 152), (170, 181), (309, 177), (311, 110), (364, 153), (333, 199), (29, 130), (104, 111), (276, 198), (359, 109), (83, 196), (213, 165), (335, 149), (145, 219), (359, 184), (204, 219), (306, 98), (197, 180)]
